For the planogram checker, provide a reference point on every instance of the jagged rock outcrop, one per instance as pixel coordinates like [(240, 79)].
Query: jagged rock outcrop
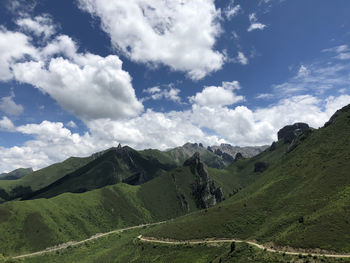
[(247, 152), (238, 157), (290, 132), (204, 189), (336, 114), (273, 147)]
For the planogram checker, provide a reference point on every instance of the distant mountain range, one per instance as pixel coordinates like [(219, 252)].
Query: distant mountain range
[(16, 174)]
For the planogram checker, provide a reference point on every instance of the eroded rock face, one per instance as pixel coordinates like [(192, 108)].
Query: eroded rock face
[(204, 190), (290, 132), (238, 156), (336, 114)]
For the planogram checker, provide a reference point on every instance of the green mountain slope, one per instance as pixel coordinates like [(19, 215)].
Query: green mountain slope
[(16, 174), (302, 200), (36, 224), (12, 189), (122, 164)]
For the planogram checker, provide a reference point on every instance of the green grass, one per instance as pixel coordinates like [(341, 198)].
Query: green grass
[(124, 247), (32, 225), (46, 176), (302, 200)]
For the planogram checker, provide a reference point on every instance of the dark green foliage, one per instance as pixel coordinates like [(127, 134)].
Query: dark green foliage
[(4, 195), (21, 192), (260, 167)]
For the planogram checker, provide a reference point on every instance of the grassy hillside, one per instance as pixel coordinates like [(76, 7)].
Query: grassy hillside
[(125, 248), (16, 174), (36, 224), (303, 200), (41, 178), (114, 166)]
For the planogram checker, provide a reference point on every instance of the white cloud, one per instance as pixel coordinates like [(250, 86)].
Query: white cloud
[(8, 106), (180, 34), (40, 26), (13, 46), (72, 124), (52, 143), (239, 126), (343, 56), (218, 96), (342, 52), (265, 96), (90, 87), (254, 24), (316, 78), (232, 10), (242, 59), (303, 71), (6, 124), (172, 129), (337, 49), (169, 93)]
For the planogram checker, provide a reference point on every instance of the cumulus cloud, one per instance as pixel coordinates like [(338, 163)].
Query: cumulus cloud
[(169, 93), (6, 124), (13, 47), (89, 87), (218, 96), (254, 24), (40, 26), (52, 143), (9, 106), (239, 126), (166, 32)]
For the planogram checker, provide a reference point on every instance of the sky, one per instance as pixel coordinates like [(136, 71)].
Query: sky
[(77, 77)]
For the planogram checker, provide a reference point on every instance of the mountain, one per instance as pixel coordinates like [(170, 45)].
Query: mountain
[(16, 174), (32, 225), (39, 179), (225, 149), (297, 193), (119, 164), (182, 153)]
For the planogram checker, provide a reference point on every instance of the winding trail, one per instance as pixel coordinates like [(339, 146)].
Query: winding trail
[(77, 243), (175, 242), (208, 241)]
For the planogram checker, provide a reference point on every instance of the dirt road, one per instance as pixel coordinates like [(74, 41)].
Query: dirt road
[(228, 240), (76, 243), (174, 242)]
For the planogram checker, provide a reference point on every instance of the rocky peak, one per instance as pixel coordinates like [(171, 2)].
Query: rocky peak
[(193, 160), (238, 156), (290, 132), (336, 115), (204, 189)]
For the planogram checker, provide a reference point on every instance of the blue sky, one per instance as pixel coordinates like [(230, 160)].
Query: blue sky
[(80, 76)]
